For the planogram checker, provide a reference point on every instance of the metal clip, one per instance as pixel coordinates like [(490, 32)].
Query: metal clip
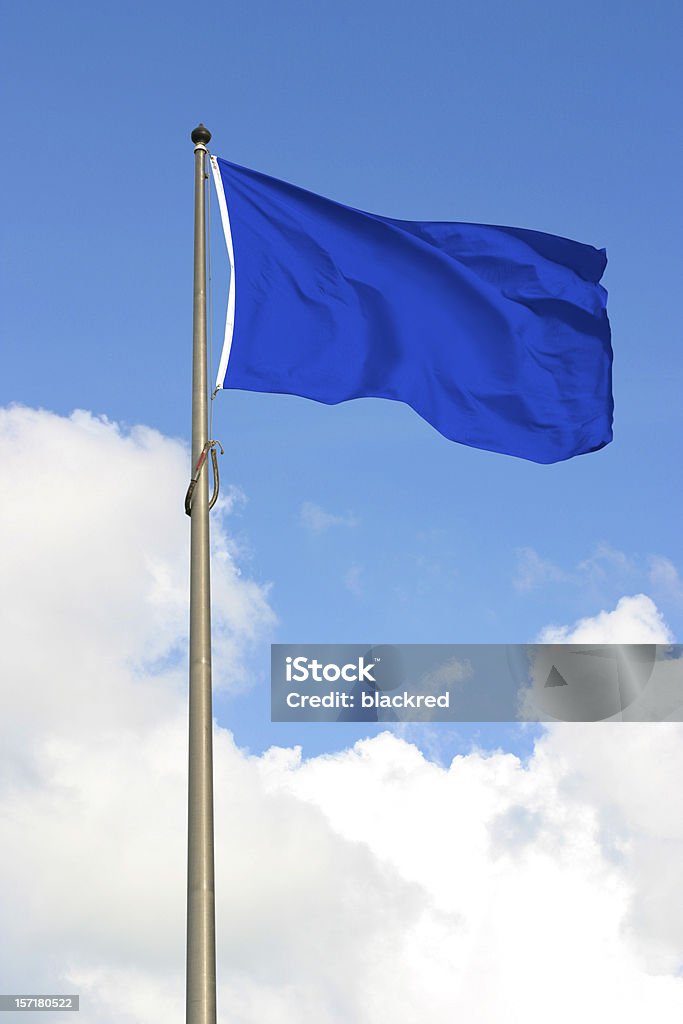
[(210, 446)]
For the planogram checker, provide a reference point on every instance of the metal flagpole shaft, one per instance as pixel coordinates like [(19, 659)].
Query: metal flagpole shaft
[(201, 937)]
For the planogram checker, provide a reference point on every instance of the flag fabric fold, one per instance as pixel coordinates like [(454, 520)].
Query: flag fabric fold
[(497, 336)]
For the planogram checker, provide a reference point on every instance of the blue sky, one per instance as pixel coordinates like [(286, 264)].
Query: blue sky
[(562, 118)]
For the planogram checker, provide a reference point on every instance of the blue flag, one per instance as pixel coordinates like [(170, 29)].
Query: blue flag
[(496, 336)]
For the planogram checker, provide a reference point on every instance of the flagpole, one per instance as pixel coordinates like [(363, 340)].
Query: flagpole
[(201, 937)]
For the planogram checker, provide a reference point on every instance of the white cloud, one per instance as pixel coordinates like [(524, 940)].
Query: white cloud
[(447, 674), (607, 562), (353, 580), (316, 519), (95, 558), (626, 775), (529, 875), (635, 620), (368, 885), (605, 572), (532, 570), (665, 577)]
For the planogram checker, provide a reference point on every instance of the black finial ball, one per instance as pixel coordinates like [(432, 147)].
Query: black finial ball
[(201, 135)]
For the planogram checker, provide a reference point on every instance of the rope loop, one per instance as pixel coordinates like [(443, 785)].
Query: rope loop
[(210, 446)]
